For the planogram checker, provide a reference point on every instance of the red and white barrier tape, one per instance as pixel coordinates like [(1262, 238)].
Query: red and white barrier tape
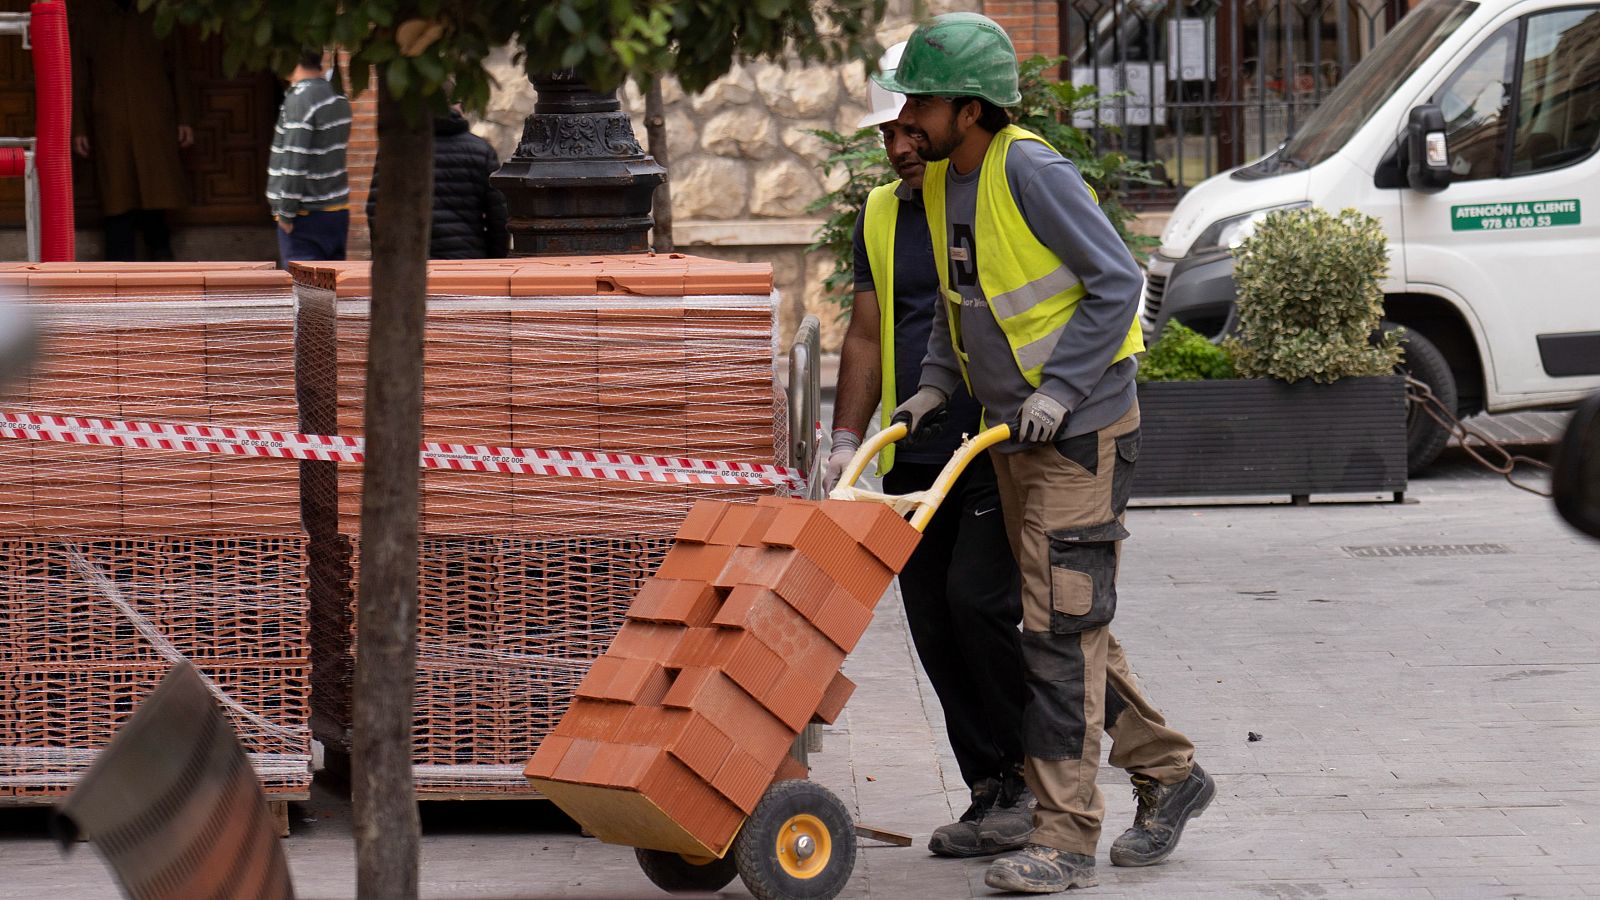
[(226, 441)]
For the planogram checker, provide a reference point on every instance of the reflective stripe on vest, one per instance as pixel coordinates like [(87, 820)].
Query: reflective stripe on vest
[(1030, 292), (877, 231)]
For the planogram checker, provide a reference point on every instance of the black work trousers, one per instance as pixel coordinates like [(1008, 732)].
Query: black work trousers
[(963, 604)]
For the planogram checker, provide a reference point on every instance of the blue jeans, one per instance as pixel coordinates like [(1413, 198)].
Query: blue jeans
[(317, 235)]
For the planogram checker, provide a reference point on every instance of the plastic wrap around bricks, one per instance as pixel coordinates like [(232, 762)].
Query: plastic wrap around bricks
[(728, 651)]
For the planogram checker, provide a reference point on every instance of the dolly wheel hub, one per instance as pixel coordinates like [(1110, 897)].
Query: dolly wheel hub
[(804, 846)]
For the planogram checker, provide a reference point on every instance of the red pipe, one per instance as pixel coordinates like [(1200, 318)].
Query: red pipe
[(52, 91), (13, 162)]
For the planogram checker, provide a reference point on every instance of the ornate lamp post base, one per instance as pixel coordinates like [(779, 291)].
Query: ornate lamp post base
[(578, 183)]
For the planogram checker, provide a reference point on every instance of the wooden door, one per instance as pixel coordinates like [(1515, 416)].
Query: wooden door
[(227, 166)]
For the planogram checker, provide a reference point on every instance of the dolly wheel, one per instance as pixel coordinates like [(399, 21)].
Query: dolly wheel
[(676, 873), (798, 845)]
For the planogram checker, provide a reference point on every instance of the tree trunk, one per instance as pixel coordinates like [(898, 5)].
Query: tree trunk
[(655, 128), (386, 825)]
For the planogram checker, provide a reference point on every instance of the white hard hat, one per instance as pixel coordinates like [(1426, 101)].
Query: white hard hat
[(885, 106)]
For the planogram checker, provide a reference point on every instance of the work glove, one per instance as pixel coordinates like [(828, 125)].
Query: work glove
[(924, 414), (1040, 420), (845, 445)]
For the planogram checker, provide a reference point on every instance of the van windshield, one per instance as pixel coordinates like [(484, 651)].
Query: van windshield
[(1373, 80)]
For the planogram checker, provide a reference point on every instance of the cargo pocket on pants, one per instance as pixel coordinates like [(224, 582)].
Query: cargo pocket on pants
[(1083, 577)]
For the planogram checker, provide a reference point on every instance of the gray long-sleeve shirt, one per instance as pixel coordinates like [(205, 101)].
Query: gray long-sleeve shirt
[(1063, 216)]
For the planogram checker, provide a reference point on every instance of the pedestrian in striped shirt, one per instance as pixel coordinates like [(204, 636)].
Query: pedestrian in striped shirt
[(307, 186)]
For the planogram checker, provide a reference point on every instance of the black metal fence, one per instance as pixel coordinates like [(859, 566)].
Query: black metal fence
[(1196, 88)]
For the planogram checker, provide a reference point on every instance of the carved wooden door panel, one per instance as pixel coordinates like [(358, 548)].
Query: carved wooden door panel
[(227, 166)]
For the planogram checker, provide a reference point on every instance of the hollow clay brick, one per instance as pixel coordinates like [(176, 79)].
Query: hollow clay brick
[(834, 699), (646, 640), (701, 521), (547, 758), (681, 601), (702, 746), (714, 696), (694, 562), (791, 769), (877, 527), (808, 653), (640, 681), (742, 779), (700, 648), (753, 666), (843, 618), (595, 720), (575, 761)]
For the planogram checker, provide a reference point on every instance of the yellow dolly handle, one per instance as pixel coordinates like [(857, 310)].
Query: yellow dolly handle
[(924, 503)]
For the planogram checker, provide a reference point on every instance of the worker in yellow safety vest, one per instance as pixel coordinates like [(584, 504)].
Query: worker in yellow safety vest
[(960, 587), (1039, 296)]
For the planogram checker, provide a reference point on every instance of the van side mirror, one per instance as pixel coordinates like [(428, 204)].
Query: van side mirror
[(1576, 481), (1427, 152)]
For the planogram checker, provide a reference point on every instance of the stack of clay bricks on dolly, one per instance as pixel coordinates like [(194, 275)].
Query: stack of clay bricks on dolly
[(115, 561), (525, 578), (677, 742)]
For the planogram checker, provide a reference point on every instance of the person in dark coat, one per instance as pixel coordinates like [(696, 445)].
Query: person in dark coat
[(469, 214)]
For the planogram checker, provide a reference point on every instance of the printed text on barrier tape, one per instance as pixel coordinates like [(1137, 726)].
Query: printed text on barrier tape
[(227, 441)]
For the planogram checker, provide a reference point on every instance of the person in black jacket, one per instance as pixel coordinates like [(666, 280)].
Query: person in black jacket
[(469, 214)]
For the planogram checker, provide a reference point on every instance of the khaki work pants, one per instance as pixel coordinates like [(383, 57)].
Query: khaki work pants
[(1064, 504)]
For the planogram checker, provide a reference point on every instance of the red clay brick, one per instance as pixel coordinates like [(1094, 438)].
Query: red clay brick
[(742, 779), (653, 726), (576, 761), (701, 522), (808, 653), (843, 618), (834, 699), (691, 603), (547, 758), (791, 769), (694, 562), (878, 528), (702, 746), (714, 696), (593, 720), (793, 700), (623, 680), (700, 648), (646, 640), (753, 666)]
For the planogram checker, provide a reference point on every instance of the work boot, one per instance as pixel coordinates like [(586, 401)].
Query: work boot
[(1000, 819), (1041, 870), (1163, 811)]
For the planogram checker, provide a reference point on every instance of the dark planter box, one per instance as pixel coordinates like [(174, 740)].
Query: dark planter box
[(1261, 436)]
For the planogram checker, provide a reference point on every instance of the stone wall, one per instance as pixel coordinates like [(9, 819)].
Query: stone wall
[(743, 167)]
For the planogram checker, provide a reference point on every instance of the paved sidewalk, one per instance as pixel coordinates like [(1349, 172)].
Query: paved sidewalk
[(1427, 710)]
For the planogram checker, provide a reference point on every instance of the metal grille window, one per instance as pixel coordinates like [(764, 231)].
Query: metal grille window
[(1202, 87)]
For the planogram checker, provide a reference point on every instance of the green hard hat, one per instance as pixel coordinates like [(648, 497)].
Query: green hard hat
[(959, 54)]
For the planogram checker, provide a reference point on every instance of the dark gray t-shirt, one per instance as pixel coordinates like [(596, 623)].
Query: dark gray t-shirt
[(1061, 213)]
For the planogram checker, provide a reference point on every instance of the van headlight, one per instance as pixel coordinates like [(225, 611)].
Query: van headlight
[(1227, 234)]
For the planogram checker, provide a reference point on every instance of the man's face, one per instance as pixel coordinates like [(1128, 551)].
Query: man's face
[(901, 145), (934, 125)]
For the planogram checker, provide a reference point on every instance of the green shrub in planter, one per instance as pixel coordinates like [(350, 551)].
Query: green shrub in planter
[(1183, 354), (1310, 298)]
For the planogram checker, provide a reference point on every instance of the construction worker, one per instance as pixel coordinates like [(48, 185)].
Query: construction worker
[(960, 586), (1038, 321)]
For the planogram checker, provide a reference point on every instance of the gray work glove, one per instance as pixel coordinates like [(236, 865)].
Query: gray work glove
[(845, 445), (924, 414), (1040, 420)]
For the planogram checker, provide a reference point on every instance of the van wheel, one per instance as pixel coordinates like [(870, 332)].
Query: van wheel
[(1425, 438)]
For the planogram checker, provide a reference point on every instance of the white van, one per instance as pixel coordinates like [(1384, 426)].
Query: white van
[(1470, 131)]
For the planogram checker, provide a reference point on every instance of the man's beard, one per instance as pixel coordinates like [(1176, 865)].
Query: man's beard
[(941, 149)]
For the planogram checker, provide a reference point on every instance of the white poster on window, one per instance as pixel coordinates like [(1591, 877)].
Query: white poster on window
[(1130, 95), (1191, 49)]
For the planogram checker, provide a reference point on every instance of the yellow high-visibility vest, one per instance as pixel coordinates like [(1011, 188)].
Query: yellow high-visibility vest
[(1030, 292), (877, 231)]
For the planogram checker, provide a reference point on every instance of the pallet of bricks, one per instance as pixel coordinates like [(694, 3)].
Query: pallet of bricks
[(525, 579), (117, 560)]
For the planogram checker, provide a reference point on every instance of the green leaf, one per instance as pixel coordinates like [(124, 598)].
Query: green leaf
[(397, 76), (570, 19), (263, 32)]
